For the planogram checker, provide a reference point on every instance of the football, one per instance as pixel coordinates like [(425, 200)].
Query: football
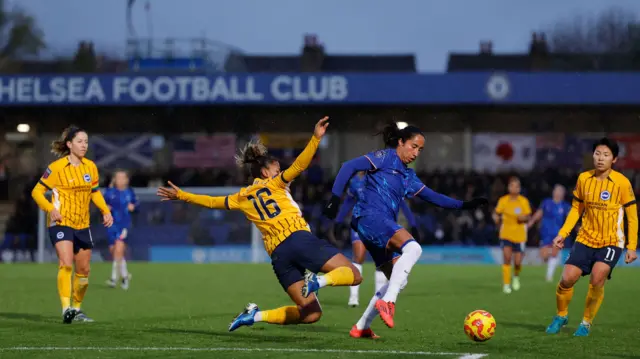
[(480, 325)]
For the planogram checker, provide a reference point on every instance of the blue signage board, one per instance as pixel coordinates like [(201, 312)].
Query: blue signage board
[(323, 89)]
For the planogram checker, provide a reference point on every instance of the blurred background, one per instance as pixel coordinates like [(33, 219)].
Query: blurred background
[(169, 90)]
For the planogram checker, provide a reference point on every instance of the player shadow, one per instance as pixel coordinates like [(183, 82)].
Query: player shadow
[(311, 328), (527, 326), (28, 317), (225, 335)]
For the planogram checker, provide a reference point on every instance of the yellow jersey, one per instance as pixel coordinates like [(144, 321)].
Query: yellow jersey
[(509, 208), (73, 187), (603, 205), (267, 203)]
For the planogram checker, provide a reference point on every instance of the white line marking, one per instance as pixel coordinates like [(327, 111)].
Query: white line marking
[(281, 350)]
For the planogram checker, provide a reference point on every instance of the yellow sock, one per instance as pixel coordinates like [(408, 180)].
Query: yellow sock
[(563, 298), (595, 295), (64, 286), (516, 270), (341, 276), (506, 274), (282, 315), (80, 285)]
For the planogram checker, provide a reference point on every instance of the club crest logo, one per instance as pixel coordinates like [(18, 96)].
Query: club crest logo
[(87, 178), (605, 195), (60, 235)]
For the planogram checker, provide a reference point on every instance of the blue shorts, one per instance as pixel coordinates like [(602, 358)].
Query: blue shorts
[(117, 234), (81, 238), (375, 234), (301, 250), (354, 236), (584, 257), (546, 240), (515, 247)]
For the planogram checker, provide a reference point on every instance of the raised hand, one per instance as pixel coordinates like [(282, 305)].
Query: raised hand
[(321, 127)]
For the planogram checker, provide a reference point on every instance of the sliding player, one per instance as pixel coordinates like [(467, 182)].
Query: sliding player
[(355, 190), (512, 214), (73, 180), (122, 201), (268, 204), (392, 247), (553, 212), (602, 197)]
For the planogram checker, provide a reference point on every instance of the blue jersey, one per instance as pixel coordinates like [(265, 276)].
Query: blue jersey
[(118, 201), (386, 185), (356, 187), (355, 192), (553, 216)]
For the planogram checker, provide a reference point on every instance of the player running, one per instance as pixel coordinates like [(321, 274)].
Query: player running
[(553, 212), (512, 214), (73, 180), (355, 190), (122, 201), (268, 204), (387, 183), (601, 197)]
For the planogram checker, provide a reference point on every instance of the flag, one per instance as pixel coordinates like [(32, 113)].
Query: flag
[(495, 152), (126, 151), (629, 156), (216, 151)]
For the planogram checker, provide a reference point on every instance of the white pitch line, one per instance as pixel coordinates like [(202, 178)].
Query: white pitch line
[(281, 350)]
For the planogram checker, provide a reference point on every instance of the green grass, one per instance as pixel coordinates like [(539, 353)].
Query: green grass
[(190, 306)]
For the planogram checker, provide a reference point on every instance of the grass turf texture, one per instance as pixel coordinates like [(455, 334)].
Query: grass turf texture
[(188, 307)]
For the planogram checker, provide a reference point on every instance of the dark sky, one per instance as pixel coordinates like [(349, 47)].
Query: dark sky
[(428, 28)]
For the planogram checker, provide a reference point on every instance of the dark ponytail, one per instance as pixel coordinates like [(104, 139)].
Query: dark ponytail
[(254, 157), (59, 147), (391, 134)]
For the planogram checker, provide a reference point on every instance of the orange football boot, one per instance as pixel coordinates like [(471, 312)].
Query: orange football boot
[(362, 333), (386, 311)]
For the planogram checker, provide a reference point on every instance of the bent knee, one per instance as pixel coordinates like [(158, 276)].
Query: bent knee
[(82, 268), (310, 317), (357, 276)]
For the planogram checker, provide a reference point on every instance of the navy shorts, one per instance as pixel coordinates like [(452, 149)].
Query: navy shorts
[(301, 250), (584, 257), (516, 247), (375, 234), (117, 234), (81, 238)]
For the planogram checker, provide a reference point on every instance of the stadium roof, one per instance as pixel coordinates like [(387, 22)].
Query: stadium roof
[(332, 63), (539, 58)]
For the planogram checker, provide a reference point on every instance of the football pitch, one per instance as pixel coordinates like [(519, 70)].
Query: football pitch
[(183, 310)]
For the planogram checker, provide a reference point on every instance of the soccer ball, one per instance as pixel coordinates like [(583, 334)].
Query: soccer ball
[(480, 326)]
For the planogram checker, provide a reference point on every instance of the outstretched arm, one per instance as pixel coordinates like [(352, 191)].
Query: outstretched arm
[(217, 202), (173, 193), (438, 199), (419, 189), (347, 170), (303, 160)]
